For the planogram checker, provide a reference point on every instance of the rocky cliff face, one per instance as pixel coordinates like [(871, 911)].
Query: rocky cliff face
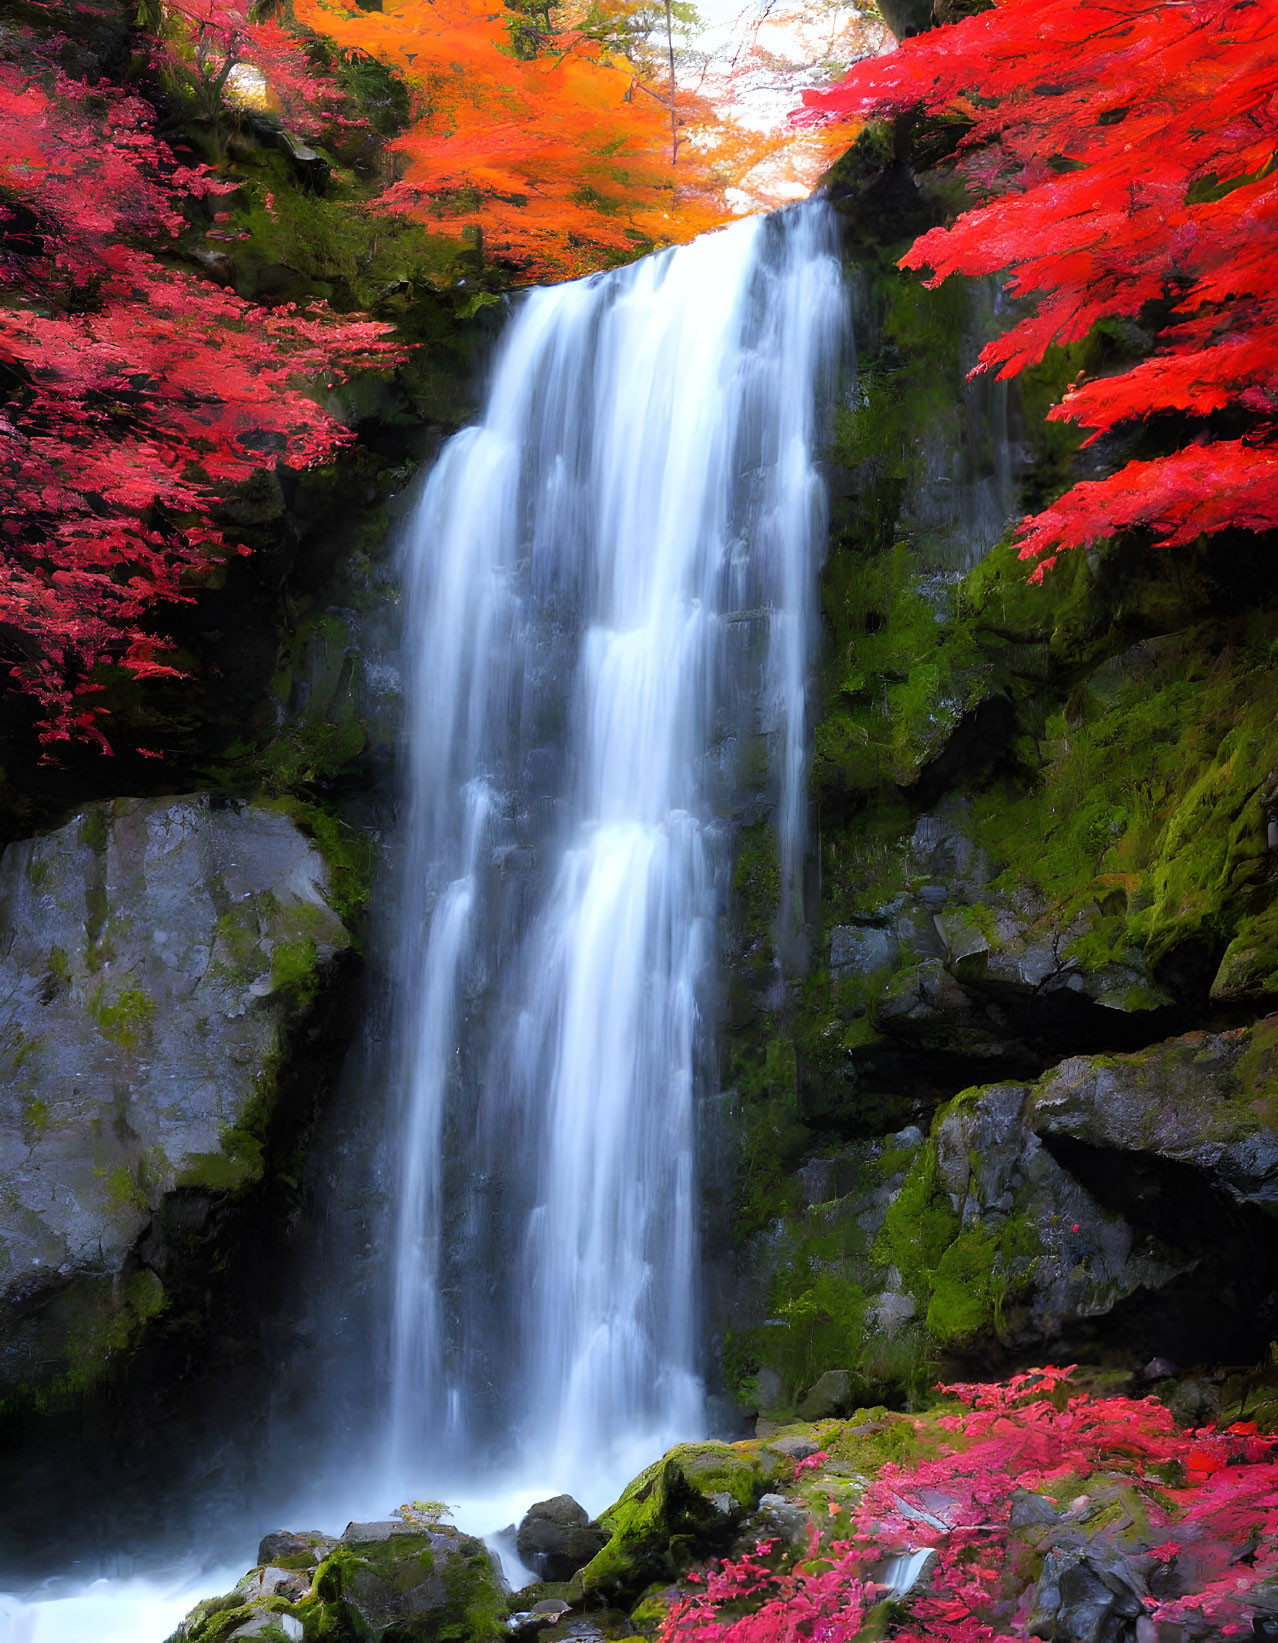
[(1045, 847), (157, 957), (176, 993)]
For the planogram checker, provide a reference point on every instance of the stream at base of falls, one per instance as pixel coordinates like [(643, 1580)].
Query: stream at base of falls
[(610, 589)]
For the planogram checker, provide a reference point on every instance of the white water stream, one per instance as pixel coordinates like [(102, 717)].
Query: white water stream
[(610, 589)]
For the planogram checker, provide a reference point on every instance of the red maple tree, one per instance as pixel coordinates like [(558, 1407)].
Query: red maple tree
[(1124, 157), (133, 395), (231, 55)]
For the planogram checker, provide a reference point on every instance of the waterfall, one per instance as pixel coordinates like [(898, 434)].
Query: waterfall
[(609, 599)]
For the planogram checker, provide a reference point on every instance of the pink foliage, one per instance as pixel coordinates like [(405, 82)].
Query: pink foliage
[(1206, 1495)]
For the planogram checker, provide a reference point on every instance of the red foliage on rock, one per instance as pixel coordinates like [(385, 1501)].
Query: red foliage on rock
[(1043, 1500)]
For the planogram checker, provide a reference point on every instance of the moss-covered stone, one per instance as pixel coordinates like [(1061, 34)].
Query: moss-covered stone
[(683, 1507), (162, 952), (397, 1581)]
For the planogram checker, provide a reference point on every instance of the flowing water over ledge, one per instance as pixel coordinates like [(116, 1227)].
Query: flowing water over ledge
[(610, 591)]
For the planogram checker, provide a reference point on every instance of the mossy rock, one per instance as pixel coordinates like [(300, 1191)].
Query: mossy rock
[(409, 1584), (388, 1582), (683, 1507), (163, 954)]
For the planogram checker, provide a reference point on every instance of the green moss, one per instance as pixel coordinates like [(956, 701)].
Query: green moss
[(666, 1519), (382, 1575), (771, 1146), (102, 1321), (350, 854), (961, 1304), (919, 1227), (230, 1171), (216, 1618), (125, 1020), (960, 1276), (295, 971), (123, 1192), (1249, 966), (93, 829), (35, 1118), (1256, 1075)]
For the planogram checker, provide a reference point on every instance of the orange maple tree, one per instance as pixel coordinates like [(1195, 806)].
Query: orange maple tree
[(556, 162)]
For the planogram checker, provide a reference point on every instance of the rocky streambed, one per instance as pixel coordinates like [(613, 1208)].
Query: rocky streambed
[(1078, 1509)]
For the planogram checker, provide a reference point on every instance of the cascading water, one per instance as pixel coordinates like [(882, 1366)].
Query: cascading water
[(609, 591)]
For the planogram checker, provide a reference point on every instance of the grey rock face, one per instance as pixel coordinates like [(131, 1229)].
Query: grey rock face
[(834, 1393), (1080, 1260), (153, 955), (556, 1538), (1209, 1100), (860, 949)]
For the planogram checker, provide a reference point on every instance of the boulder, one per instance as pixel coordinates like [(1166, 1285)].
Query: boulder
[(685, 1506), (556, 1538), (413, 1582), (1113, 1179), (1119, 1203), (156, 955), (285, 1549), (393, 1580), (1207, 1100), (834, 1393)]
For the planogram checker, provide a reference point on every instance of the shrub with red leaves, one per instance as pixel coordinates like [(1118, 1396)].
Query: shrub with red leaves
[(1190, 1517)]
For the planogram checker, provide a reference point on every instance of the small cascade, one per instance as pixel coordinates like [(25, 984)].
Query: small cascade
[(609, 602)]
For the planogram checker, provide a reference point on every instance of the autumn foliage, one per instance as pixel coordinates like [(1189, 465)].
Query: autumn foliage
[(219, 45), (136, 394), (1183, 1525), (556, 162), (1124, 159)]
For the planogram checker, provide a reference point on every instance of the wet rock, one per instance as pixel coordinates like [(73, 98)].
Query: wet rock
[(1042, 1240), (157, 953), (1192, 1402), (215, 265), (412, 1582), (257, 500), (891, 1311), (860, 949), (777, 1516), (312, 169), (834, 1393), (288, 1550), (794, 1448), (556, 1538), (669, 1517), (1029, 1508), (383, 1582), (274, 283), (1209, 1100), (1087, 1597), (270, 1628)]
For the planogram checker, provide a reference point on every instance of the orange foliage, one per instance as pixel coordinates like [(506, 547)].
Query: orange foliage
[(561, 162)]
